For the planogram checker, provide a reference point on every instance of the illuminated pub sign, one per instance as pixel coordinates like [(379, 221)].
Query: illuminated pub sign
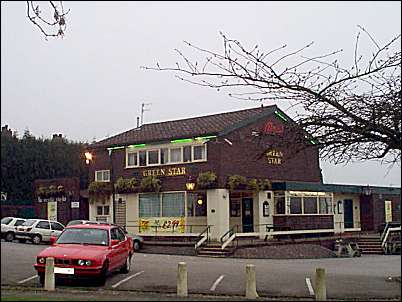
[(172, 171), (274, 157)]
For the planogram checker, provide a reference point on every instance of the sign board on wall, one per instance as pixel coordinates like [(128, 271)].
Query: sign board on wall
[(388, 210), (75, 204), (52, 210), (162, 224)]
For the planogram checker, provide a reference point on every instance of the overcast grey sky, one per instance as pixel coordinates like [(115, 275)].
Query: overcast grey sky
[(89, 85)]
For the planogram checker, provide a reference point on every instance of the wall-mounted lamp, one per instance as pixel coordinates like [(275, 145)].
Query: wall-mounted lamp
[(367, 190), (199, 200), (88, 157)]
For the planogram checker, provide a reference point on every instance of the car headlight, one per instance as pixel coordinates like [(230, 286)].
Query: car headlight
[(84, 262), (41, 260)]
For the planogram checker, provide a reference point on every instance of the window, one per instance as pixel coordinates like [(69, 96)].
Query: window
[(186, 153), (132, 159), (56, 226), (325, 205), (310, 205), (295, 205), (175, 155), (43, 225), (117, 234), (102, 175), (194, 208), (199, 152), (143, 158), (103, 210), (150, 205), (153, 157), (279, 204), (235, 207), (6, 220), (164, 156), (173, 204), (19, 222)]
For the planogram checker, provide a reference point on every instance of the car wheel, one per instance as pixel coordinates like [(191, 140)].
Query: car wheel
[(136, 245), (127, 265), (22, 240), (9, 236), (36, 239), (41, 279), (103, 275)]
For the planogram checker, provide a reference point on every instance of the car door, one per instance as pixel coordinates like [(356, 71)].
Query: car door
[(115, 254), (57, 228), (43, 228), (124, 247)]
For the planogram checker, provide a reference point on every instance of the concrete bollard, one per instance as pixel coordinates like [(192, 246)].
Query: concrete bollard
[(320, 287), (49, 274), (182, 280), (251, 284)]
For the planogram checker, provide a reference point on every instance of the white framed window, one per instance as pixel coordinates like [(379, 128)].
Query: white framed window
[(153, 157), (103, 210), (132, 159), (199, 152), (187, 154), (164, 156), (102, 175), (175, 155)]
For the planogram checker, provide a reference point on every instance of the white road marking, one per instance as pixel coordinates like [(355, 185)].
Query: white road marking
[(310, 287), (126, 279), (27, 279), (216, 283)]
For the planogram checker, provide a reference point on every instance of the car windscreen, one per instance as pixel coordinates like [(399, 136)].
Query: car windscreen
[(84, 236), (6, 220), (29, 222), (74, 222)]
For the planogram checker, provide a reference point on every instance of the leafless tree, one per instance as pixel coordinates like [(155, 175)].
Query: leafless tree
[(351, 113), (52, 22)]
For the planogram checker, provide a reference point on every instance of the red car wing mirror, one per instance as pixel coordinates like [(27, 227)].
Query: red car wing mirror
[(115, 241)]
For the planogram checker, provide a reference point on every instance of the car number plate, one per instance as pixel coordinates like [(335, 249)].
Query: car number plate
[(64, 270)]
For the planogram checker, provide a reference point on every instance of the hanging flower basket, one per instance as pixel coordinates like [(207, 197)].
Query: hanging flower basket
[(207, 180), (124, 185), (237, 182), (150, 184), (99, 190)]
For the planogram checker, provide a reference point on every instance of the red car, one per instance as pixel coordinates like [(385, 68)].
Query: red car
[(87, 251)]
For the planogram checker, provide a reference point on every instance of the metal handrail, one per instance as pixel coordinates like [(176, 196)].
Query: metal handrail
[(387, 226), (202, 238), (230, 232), (387, 234)]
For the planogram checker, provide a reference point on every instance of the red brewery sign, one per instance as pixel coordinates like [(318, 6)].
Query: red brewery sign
[(273, 128)]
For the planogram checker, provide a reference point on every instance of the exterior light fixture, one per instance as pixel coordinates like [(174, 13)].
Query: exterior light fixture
[(199, 200), (367, 190), (88, 157)]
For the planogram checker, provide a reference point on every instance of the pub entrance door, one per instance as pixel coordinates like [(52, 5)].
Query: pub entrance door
[(348, 212), (247, 215)]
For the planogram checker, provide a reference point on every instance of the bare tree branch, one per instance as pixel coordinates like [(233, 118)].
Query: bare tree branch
[(350, 113)]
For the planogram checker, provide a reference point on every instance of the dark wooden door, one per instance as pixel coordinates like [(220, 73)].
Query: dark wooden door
[(348, 213), (247, 215), (366, 213)]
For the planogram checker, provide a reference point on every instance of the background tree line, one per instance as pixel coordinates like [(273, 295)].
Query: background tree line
[(26, 159)]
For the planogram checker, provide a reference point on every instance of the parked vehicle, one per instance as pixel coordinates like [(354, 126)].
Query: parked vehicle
[(8, 227), (38, 230), (138, 241), (88, 251), (75, 222)]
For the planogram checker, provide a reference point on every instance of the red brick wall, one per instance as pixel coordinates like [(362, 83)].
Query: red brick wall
[(245, 157), (379, 209), (303, 222)]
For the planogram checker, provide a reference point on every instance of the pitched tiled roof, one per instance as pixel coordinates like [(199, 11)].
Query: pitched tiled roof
[(215, 124)]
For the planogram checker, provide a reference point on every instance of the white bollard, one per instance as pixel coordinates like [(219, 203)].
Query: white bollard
[(251, 284), (49, 274), (320, 287), (182, 280)]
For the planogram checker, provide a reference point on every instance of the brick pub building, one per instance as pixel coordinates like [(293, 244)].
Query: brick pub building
[(253, 186)]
